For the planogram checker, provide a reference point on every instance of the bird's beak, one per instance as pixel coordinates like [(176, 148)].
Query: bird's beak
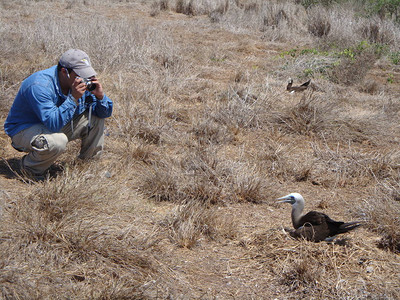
[(285, 199)]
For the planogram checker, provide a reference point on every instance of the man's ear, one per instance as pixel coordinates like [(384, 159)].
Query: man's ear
[(65, 71)]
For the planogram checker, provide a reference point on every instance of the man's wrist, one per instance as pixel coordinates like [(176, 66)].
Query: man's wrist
[(98, 98)]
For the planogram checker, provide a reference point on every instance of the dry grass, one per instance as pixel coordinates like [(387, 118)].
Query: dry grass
[(311, 115), (189, 222), (382, 211), (309, 270), (67, 237), (319, 24), (350, 71), (203, 138)]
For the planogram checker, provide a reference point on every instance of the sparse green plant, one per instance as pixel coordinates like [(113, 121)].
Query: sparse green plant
[(390, 78), (395, 57), (291, 52), (354, 51), (308, 72), (312, 51)]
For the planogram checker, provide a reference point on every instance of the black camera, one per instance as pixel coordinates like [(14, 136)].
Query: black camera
[(89, 84)]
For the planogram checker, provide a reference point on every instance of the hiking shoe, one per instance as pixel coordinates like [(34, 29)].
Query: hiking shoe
[(28, 172)]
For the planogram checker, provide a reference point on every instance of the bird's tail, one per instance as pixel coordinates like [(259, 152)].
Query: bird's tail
[(346, 227), (306, 83)]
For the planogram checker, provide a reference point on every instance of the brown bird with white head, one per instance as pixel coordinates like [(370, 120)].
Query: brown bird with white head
[(313, 226), (292, 89)]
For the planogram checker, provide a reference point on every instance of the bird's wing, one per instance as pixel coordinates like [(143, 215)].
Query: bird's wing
[(315, 233), (313, 218), (333, 222), (306, 83)]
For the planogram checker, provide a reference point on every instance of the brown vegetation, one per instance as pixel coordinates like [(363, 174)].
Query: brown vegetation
[(203, 139)]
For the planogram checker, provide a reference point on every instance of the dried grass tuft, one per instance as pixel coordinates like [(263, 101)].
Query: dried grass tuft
[(315, 270), (208, 131), (187, 223), (377, 31), (382, 212), (301, 273), (351, 71), (319, 24), (347, 166), (310, 115), (61, 227), (159, 183)]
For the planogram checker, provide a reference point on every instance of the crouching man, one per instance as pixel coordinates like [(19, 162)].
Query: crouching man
[(55, 106)]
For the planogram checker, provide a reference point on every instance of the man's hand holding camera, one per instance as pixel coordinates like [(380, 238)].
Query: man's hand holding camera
[(78, 88), (98, 90), (80, 85)]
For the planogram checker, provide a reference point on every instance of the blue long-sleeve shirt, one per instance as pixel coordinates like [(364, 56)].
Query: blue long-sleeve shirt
[(40, 100)]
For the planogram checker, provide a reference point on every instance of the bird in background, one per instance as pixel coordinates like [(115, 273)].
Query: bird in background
[(314, 226), (292, 89)]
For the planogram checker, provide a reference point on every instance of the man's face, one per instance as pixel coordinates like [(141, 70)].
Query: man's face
[(72, 77)]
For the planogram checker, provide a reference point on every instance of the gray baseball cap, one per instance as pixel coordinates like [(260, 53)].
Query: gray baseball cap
[(79, 62)]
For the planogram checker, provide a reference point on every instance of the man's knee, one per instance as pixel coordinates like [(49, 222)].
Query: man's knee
[(54, 143)]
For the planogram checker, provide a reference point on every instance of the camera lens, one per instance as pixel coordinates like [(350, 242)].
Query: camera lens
[(91, 86)]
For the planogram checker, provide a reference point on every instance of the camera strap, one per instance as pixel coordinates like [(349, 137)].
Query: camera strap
[(89, 126)]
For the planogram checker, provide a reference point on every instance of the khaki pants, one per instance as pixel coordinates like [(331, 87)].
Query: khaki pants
[(44, 147)]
